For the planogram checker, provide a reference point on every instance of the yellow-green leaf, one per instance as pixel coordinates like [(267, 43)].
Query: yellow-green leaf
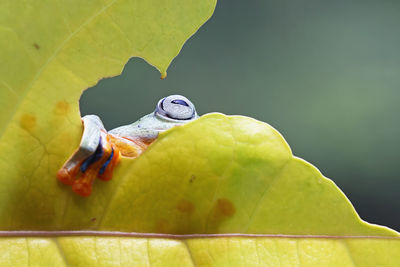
[(219, 174), (221, 251), (50, 52), (224, 174)]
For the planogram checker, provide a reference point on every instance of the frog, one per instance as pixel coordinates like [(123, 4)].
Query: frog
[(100, 150)]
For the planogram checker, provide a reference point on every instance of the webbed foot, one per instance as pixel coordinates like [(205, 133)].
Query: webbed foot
[(80, 174)]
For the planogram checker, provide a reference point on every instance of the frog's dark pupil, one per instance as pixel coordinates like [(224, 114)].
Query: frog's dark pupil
[(180, 102)]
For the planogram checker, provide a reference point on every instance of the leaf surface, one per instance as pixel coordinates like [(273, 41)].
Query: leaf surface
[(53, 50), (219, 174), (130, 251)]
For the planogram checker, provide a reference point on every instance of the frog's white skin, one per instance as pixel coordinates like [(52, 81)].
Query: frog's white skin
[(170, 111)]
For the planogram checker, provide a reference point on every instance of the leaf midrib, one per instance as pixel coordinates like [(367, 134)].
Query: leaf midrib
[(23, 233)]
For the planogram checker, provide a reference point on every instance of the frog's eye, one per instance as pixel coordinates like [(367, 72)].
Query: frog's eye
[(176, 107)]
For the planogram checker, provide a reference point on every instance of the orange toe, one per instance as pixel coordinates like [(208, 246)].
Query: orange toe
[(67, 176), (83, 185), (107, 174), (81, 181)]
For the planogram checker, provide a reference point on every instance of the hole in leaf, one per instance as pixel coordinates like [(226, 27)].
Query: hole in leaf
[(125, 98)]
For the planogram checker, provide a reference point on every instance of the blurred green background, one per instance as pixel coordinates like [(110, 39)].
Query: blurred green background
[(326, 74)]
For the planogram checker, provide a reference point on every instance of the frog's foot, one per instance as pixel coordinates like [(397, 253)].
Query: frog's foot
[(100, 164), (93, 130), (67, 174)]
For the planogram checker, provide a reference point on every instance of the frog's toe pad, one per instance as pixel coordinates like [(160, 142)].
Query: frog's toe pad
[(81, 188), (65, 176)]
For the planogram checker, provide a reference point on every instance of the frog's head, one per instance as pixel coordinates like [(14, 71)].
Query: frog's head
[(176, 108)]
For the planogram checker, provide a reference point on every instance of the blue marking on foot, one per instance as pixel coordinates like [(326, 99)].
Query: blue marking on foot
[(93, 158), (103, 168)]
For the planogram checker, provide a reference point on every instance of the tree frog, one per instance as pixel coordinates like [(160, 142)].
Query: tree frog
[(100, 150)]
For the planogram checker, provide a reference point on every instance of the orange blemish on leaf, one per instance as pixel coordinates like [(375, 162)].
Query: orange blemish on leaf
[(61, 108), (28, 121), (185, 206), (224, 208), (162, 226)]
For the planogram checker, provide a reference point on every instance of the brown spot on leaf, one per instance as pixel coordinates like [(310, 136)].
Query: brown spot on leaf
[(28, 121), (192, 178), (35, 45), (61, 108), (162, 226), (224, 208), (185, 206), (93, 219)]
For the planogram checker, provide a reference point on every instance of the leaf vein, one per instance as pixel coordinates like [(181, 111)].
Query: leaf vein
[(264, 194), (189, 252), (61, 251)]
